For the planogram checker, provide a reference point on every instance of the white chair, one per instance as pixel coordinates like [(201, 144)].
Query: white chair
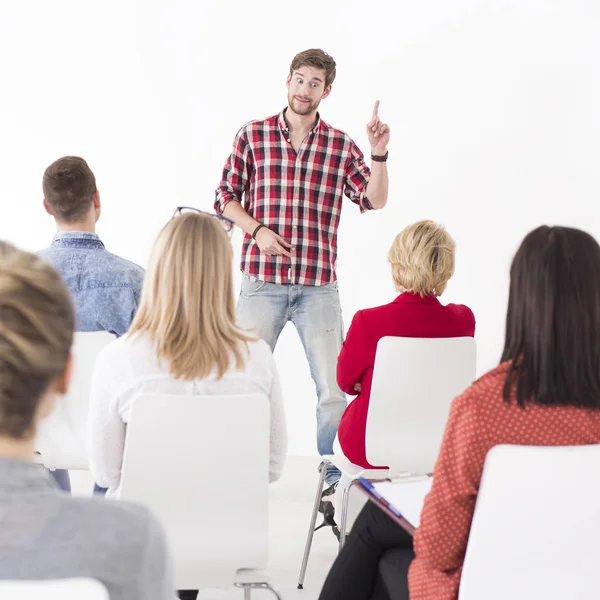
[(53, 589), (414, 382), (536, 527), (61, 436), (201, 464)]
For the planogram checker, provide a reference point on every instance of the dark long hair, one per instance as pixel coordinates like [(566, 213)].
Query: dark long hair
[(553, 320)]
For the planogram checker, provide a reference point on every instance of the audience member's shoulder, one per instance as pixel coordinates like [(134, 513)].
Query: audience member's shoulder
[(485, 391), (124, 266), (128, 520), (122, 352), (464, 315), (373, 312), (461, 310)]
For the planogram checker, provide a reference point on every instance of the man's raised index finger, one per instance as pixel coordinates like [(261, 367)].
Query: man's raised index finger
[(376, 109)]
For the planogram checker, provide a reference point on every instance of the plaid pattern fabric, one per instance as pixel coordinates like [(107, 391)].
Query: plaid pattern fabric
[(298, 196)]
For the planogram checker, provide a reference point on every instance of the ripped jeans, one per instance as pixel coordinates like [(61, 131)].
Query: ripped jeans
[(316, 313)]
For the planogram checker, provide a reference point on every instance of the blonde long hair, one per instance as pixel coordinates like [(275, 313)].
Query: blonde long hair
[(187, 306)]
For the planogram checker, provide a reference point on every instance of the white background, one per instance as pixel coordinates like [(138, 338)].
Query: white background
[(493, 107)]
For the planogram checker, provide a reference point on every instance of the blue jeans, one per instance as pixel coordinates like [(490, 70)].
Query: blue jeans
[(61, 476), (316, 313)]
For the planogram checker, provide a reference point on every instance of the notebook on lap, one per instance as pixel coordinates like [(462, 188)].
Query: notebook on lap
[(402, 501)]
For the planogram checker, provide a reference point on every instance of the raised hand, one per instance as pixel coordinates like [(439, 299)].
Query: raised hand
[(378, 133), (272, 244)]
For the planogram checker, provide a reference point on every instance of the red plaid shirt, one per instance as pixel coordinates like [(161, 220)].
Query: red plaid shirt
[(298, 196)]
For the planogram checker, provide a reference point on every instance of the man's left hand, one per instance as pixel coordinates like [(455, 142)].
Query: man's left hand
[(378, 133)]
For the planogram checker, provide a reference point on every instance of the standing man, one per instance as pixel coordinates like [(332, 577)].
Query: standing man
[(284, 184)]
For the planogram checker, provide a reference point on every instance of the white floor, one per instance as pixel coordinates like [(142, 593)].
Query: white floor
[(291, 501)]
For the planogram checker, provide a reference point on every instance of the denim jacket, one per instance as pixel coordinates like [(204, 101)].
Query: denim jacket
[(105, 288)]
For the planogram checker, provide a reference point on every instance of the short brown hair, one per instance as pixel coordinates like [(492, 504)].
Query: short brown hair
[(317, 59), (69, 185), (36, 333), (422, 259)]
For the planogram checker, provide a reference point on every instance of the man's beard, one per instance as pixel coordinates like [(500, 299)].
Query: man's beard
[(302, 108)]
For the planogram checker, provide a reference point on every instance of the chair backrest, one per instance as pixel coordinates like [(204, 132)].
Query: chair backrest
[(201, 464), (61, 436), (53, 589), (414, 382), (536, 527)]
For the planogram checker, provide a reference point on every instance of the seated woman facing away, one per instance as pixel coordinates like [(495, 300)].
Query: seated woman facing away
[(47, 534), (422, 261), (545, 392), (183, 340)]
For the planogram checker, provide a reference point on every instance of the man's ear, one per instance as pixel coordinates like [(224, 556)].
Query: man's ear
[(288, 79), (46, 207), (96, 199), (326, 92), (97, 204)]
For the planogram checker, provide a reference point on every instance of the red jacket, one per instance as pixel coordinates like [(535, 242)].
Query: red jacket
[(408, 315)]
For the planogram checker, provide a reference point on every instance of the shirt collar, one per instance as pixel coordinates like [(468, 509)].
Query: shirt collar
[(81, 239), (284, 126), (409, 297), (18, 474)]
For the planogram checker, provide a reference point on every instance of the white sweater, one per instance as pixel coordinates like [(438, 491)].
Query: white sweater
[(128, 367)]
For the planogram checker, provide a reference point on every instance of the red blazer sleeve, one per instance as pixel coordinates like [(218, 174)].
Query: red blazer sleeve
[(353, 359)]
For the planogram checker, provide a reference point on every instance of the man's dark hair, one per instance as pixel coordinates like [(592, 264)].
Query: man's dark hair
[(553, 320), (69, 185), (317, 59)]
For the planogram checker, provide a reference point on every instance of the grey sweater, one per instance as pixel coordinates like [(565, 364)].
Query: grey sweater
[(45, 533)]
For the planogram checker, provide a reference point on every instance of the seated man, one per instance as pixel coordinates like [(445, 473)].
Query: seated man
[(105, 288)]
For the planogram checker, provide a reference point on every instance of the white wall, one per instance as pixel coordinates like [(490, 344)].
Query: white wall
[(493, 107)]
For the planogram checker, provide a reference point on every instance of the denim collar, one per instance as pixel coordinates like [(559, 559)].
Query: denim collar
[(77, 239)]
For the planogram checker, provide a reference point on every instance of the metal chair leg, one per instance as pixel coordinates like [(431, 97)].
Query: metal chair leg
[(311, 527), (344, 517), (248, 587)]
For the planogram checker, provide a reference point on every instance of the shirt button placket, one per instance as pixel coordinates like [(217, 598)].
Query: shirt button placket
[(294, 241)]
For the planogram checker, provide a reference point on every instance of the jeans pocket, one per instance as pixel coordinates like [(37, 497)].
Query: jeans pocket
[(251, 285)]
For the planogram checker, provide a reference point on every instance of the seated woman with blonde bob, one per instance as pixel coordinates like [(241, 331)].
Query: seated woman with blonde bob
[(422, 261), (183, 340), (47, 534)]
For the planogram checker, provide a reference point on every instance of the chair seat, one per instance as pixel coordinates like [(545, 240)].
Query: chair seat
[(354, 471), (250, 576)]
